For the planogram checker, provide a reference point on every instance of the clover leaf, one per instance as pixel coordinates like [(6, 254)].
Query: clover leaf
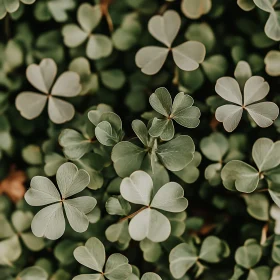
[(149, 222), (194, 9), (271, 61), (31, 104), (274, 213), (93, 256), (217, 148), (255, 89), (173, 155), (181, 111), (108, 130), (165, 28), (89, 80), (184, 256), (11, 6), (88, 16), (12, 233), (33, 272), (244, 177), (50, 222)]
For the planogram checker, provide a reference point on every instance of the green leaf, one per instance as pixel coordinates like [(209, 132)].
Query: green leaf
[(242, 73), (248, 255), (10, 250), (127, 158), (63, 252), (113, 79), (117, 267), (271, 61), (32, 154), (213, 250), (151, 59), (240, 176), (257, 206), (195, 9), (161, 101), (151, 251), (70, 180), (260, 272), (118, 233), (166, 27), (215, 67), (33, 273), (49, 222), (52, 163), (89, 16), (190, 173), (151, 224), (117, 206), (177, 153), (265, 152), (170, 197), (150, 276), (189, 55), (215, 146), (181, 259), (137, 188), (91, 255), (246, 5), (141, 131), (99, 46)]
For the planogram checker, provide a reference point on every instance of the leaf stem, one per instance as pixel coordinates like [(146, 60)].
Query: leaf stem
[(133, 214)]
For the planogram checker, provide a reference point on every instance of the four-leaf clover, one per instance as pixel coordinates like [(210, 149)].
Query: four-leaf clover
[(92, 255), (50, 221), (149, 222), (181, 111), (165, 28), (255, 89), (89, 17), (31, 104)]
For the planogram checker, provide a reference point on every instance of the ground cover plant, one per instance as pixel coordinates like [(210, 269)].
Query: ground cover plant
[(139, 140)]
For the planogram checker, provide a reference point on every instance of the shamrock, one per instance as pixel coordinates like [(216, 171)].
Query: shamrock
[(50, 221), (184, 256), (11, 6), (181, 111), (255, 89), (173, 155), (92, 255), (12, 233), (219, 149), (149, 222), (89, 17), (165, 28), (238, 175), (31, 104)]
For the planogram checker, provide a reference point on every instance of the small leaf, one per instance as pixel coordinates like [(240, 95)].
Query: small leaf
[(33, 273), (194, 9), (91, 255), (181, 259)]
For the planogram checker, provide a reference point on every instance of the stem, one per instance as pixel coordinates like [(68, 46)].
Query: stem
[(7, 26), (264, 234), (175, 80), (263, 190), (104, 8), (133, 214)]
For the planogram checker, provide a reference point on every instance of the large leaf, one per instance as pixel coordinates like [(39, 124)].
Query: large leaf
[(151, 59), (265, 154), (70, 180), (165, 28), (49, 222), (189, 55), (42, 191), (177, 153), (33, 273), (151, 224), (127, 158), (240, 176), (74, 144), (137, 188), (170, 197)]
